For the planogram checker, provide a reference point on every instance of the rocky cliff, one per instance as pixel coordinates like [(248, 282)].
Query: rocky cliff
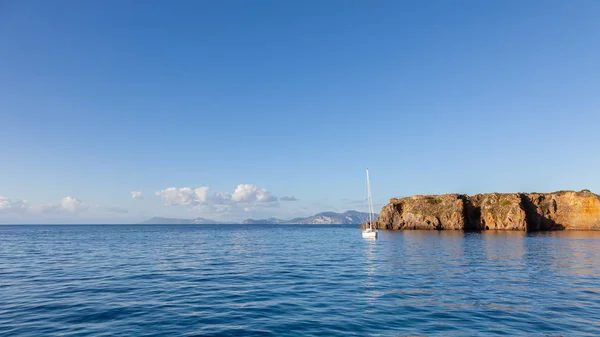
[(563, 210)]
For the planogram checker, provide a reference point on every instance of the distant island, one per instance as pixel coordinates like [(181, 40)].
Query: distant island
[(324, 218), (562, 210)]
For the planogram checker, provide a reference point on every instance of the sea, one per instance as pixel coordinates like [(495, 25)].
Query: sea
[(295, 280)]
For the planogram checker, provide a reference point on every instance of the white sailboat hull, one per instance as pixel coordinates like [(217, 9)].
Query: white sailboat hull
[(369, 234)]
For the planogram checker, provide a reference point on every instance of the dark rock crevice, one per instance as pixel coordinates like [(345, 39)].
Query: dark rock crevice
[(540, 210), (472, 214)]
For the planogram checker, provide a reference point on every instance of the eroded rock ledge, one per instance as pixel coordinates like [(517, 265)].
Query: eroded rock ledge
[(563, 210)]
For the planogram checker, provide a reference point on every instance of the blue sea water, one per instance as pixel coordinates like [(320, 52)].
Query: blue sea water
[(264, 280)]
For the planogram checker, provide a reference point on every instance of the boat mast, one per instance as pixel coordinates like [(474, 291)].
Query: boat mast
[(369, 201)]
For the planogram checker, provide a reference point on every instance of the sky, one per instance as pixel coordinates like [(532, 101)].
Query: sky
[(118, 111)]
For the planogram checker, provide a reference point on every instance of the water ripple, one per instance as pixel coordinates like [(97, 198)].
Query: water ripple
[(295, 280)]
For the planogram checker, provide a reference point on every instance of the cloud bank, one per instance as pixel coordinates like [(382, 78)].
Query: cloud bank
[(67, 205), (245, 197), (8, 205), (243, 200)]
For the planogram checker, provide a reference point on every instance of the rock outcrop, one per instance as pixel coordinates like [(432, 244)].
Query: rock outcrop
[(563, 210), (423, 212)]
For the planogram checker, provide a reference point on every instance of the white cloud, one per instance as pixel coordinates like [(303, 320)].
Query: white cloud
[(8, 205), (288, 198), (136, 195), (251, 193), (72, 204), (67, 204), (67, 210), (185, 196), (245, 197), (222, 197), (201, 193)]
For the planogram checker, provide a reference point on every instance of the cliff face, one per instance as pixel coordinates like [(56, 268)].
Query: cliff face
[(494, 211), (423, 212)]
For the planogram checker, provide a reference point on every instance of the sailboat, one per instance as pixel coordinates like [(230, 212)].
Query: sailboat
[(369, 232)]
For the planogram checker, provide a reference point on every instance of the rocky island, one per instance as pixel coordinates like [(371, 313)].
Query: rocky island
[(562, 210)]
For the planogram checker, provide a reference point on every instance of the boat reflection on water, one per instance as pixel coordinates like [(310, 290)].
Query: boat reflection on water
[(370, 268)]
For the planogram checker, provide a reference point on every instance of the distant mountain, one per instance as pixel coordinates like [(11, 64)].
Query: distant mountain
[(263, 221), (325, 218), (346, 218)]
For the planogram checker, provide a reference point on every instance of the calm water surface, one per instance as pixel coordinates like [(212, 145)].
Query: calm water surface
[(295, 280)]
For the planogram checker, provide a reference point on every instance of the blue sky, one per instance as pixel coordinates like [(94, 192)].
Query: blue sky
[(289, 98)]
